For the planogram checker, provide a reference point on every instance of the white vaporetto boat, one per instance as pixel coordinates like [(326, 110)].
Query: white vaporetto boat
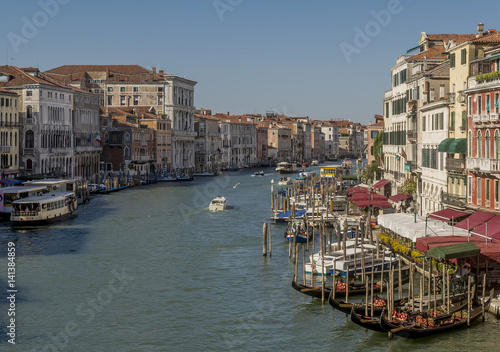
[(218, 203), (40, 210)]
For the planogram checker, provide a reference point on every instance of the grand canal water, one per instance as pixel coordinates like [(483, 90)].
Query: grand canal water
[(151, 269)]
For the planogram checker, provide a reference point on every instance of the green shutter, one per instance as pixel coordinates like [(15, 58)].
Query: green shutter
[(464, 57), (452, 120), (452, 60), (464, 120)]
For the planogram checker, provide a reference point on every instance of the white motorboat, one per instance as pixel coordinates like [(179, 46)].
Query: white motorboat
[(285, 181), (218, 203), (286, 168)]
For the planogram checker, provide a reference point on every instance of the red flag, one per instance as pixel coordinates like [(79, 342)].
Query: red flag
[(403, 154), (381, 162)]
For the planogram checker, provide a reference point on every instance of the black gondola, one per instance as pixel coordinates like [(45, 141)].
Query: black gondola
[(354, 288), (419, 326), (373, 323)]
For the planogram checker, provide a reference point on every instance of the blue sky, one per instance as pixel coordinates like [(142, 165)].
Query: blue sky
[(248, 56)]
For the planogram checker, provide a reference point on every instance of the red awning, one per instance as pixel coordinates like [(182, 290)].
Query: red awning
[(356, 189), (474, 220), (373, 196), (380, 184), (363, 203), (448, 214), (399, 197), (490, 250), (491, 228)]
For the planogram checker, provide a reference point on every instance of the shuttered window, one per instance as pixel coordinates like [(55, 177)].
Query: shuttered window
[(463, 55), (452, 60)]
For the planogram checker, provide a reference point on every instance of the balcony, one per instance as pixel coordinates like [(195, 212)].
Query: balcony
[(494, 116), (476, 118), (393, 149), (412, 134), (28, 151), (455, 165), (483, 165), (5, 149), (453, 200)]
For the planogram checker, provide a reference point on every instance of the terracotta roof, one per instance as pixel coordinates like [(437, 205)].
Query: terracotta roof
[(120, 69), (435, 52), (20, 77), (492, 36), (457, 38), (115, 73), (6, 91)]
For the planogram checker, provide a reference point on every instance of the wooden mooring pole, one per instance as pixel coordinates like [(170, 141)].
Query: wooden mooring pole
[(264, 239)]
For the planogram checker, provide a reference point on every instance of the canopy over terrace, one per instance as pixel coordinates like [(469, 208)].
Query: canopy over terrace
[(454, 251), (473, 221), (404, 225), (449, 215), (489, 250), (489, 229), (380, 184)]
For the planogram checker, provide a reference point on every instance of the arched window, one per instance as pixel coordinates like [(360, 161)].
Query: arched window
[(479, 144), (127, 138), (487, 145), (29, 164), (29, 139)]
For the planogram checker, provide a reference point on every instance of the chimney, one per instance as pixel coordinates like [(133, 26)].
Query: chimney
[(227, 113), (162, 72), (153, 69), (480, 29), (107, 72)]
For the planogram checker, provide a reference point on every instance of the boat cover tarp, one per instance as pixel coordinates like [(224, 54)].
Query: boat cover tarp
[(474, 220), (298, 213), (404, 225), (454, 251), (449, 214)]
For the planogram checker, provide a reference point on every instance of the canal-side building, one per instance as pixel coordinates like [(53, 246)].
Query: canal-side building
[(331, 132), (45, 110), (208, 152), (373, 129), (132, 86), (483, 132), (9, 132), (86, 134), (428, 126), (280, 142), (461, 53)]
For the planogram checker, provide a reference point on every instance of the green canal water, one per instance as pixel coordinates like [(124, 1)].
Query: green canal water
[(151, 269)]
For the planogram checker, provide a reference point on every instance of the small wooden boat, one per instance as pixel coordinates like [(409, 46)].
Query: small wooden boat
[(421, 326), (258, 173)]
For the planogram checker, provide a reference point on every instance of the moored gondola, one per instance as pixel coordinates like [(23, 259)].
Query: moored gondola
[(354, 288), (422, 326)]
